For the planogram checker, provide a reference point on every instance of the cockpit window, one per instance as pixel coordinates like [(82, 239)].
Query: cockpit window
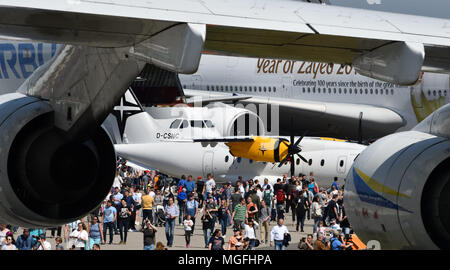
[(175, 124), (197, 123), (184, 124)]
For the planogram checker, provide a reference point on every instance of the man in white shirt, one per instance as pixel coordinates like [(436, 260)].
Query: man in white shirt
[(277, 235), (266, 183), (210, 183)]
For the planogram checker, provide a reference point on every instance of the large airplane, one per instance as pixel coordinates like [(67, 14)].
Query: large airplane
[(183, 139), (342, 102), (52, 123)]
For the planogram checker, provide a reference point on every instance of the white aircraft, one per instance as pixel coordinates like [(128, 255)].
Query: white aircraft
[(184, 143), (53, 124), (342, 102)]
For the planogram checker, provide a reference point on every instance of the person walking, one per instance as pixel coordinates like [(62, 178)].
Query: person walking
[(224, 214), (123, 221), (171, 212), (109, 217), (216, 242), (188, 230), (264, 219), (80, 236), (316, 212), (277, 235), (302, 205), (147, 206), (240, 214), (206, 225), (250, 233), (191, 208), (95, 232)]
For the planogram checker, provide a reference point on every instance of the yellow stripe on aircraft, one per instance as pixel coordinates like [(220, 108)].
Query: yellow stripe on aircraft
[(332, 139), (374, 185)]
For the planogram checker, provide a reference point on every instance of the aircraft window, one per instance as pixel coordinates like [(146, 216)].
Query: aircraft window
[(371, 91), (350, 91), (314, 90), (429, 92), (445, 93), (226, 87), (340, 91), (387, 92), (303, 89), (297, 161), (270, 89), (260, 89), (239, 160), (392, 91), (345, 90), (334, 90), (318, 90), (209, 123), (207, 87), (341, 163), (175, 124), (322, 162), (381, 91), (245, 88), (366, 91), (240, 88), (310, 162), (274, 89), (250, 161), (236, 88), (434, 93), (329, 90), (376, 91), (440, 93), (221, 88), (265, 89), (309, 90), (197, 123), (184, 124), (227, 158), (360, 91), (184, 86)]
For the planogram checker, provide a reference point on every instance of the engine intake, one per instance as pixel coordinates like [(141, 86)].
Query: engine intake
[(48, 178)]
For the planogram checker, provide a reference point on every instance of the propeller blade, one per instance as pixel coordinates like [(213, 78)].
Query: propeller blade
[(300, 139), (292, 166), (302, 158)]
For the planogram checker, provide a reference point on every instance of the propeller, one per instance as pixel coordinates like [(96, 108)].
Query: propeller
[(293, 149)]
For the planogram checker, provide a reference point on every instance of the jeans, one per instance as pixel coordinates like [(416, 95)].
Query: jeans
[(207, 235), (150, 247), (93, 241), (181, 207), (279, 245), (224, 223), (147, 214), (170, 227), (251, 244), (109, 225), (280, 212), (316, 223), (123, 224), (300, 220), (187, 237)]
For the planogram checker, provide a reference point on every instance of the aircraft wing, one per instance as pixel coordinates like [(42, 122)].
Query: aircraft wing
[(330, 119), (381, 45)]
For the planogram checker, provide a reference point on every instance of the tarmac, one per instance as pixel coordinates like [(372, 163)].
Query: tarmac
[(135, 239)]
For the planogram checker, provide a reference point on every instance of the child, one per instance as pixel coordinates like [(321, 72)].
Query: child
[(188, 223), (59, 245)]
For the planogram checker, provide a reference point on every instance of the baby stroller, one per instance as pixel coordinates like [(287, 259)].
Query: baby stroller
[(160, 216)]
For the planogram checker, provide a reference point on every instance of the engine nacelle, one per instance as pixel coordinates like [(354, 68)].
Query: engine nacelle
[(46, 177), (397, 192)]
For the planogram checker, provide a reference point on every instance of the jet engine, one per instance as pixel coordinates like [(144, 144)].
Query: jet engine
[(48, 178), (398, 192)]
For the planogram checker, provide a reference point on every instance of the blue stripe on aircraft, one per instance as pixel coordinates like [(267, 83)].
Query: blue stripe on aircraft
[(366, 194)]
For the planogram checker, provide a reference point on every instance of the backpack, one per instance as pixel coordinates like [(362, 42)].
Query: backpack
[(280, 196), (267, 197), (316, 188)]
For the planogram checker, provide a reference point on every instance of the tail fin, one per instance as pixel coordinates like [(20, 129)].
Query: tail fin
[(128, 122)]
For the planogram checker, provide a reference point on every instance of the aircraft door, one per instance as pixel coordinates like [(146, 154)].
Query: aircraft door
[(208, 163), (286, 87), (341, 165), (196, 81)]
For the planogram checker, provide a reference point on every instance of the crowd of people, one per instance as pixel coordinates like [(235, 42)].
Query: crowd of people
[(252, 212)]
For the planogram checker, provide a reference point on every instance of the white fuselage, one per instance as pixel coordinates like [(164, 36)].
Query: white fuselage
[(288, 80)]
